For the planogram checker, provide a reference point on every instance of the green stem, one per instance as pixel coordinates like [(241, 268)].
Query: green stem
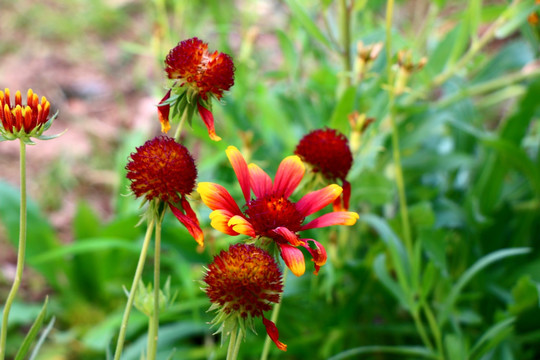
[(238, 343), (181, 124), (404, 211), (345, 37), (20, 253), (232, 343), (489, 86), (154, 319), (421, 330), (136, 279), (434, 329), (273, 318)]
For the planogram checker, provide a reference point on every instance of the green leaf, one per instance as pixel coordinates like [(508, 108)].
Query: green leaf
[(379, 266), (517, 16), (478, 266), (434, 244), (41, 339), (410, 351), (32, 333), (493, 336), (299, 13), (344, 107), (526, 294), (454, 347)]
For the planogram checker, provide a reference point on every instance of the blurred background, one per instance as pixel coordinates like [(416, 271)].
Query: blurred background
[(469, 129)]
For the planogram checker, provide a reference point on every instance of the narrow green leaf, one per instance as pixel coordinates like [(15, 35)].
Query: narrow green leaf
[(32, 333), (343, 108), (41, 339), (517, 16), (379, 266), (414, 351), (299, 13), (494, 335), (471, 272)]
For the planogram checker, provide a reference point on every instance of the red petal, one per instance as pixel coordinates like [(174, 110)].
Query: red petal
[(333, 218), (272, 331), (192, 226), (216, 197), (318, 252), (260, 181), (289, 174), (208, 119), (316, 200), (342, 203), (240, 169), (293, 258), (288, 235), (163, 113)]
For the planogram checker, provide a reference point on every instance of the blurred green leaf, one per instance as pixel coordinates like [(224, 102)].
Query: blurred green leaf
[(526, 294), (379, 266), (32, 333), (433, 241), (517, 15), (344, 107), (492, 337), (415, 351), (301, 15)]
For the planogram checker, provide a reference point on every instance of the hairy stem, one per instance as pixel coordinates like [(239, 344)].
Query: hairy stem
[(136, 279), (20, 253)]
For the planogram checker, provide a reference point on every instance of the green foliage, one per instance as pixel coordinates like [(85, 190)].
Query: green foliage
[(467, 284)]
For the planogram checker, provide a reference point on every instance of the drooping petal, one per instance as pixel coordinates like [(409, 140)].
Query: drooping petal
[(260, 181), (163, 113), (272, 331), (219, 220), (316, 200), (342, 203), (216, 197), (334, 218), (288, 235), (240, 169), (289, 174), (293, 258), (208, 119), (192, 227), (317, 251), (242, 225)]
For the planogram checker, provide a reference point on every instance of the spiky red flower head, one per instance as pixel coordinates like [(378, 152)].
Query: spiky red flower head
[(162, 168), (192, 64), (327, 150), (243, 283), (28, 118), (245, 280)]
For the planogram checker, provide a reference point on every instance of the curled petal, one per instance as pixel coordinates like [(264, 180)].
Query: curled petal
[(216, 197), (163, 113), (191, 225), (316, 200), (289, 174), (242, 226), (334, 218), (342, 203), (293, 258), (260, 181), (208, 118), (318, 253), (219, 220), (240, 169), (272, 331), (288, 235)]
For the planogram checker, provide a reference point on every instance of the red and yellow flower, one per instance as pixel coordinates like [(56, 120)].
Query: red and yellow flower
[(242, 283), (199, 75), (18, 120), (271, 214), (328, 152), (164, 169)]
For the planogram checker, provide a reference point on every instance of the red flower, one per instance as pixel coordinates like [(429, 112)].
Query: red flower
[(202, 74), (327, 151), (243, 283), (271, 214), (164, 169), (20, 120)]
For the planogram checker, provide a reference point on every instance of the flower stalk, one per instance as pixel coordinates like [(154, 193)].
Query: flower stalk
[(20, 252), (136, 278)]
